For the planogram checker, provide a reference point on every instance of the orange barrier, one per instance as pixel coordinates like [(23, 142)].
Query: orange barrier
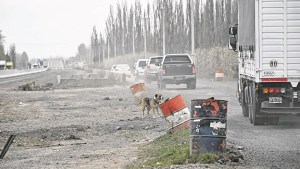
[(176, 113), (219, 74), (137, 88), (172, 105)]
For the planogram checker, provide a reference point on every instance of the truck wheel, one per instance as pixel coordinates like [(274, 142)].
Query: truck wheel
[(255, 107)]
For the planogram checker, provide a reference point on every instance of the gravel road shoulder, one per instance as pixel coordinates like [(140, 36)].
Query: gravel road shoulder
[(74, 128)]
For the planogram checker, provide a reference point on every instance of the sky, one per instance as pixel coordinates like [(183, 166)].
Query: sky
[(52, 28)]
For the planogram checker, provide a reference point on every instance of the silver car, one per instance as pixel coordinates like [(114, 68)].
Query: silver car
[(152, 68)]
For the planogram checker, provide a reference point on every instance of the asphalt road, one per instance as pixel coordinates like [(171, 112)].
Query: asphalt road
[(266, 146)]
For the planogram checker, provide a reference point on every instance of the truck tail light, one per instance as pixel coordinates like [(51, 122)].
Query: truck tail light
[(265, 90), (271, 90), (194, 68)]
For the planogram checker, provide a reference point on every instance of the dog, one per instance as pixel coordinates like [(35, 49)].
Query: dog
[(151, 104)]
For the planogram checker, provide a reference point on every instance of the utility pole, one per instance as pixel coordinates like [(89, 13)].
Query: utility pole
[(103, 49), (115, 39), (133, 47), (192, 29), (115, 45), (99, 53), (145, 36), (133, 36), (123, 40), (107, 48), (163, 28)]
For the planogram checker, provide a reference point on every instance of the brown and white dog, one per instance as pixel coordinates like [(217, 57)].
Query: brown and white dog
[(151, 104)]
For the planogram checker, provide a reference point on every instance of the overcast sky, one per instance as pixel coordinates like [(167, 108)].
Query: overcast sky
[(45, 28)]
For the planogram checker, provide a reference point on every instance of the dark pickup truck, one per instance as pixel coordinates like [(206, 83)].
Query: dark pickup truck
[(176, 69)]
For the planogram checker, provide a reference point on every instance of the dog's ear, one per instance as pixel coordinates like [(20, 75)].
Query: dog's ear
[(155, 95)]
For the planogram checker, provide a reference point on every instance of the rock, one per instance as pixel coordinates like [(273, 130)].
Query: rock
[(72, 137), (146, 128), (220, 161), (236, 160), (241, 156), (120, 99), (119, 128), (240, 147), (106, 98)]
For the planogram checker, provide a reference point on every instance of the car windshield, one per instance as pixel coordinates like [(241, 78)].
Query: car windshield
[(155, 60)]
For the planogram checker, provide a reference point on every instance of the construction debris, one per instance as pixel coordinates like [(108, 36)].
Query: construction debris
[(32, 86)]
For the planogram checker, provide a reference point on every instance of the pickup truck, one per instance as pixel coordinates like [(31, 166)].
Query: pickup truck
[(176, 69)]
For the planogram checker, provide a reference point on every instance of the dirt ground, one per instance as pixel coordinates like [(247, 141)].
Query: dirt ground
[(74, 128)]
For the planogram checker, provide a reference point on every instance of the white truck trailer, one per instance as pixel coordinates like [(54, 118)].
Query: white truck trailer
[(267, 41)]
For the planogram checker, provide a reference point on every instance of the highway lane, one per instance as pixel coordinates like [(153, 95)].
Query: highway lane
[(41, 78)]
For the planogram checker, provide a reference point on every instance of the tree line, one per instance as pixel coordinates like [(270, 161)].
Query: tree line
[(128, 26), (19, 60)]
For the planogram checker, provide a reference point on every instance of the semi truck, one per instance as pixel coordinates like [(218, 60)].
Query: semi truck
[(267, 41)]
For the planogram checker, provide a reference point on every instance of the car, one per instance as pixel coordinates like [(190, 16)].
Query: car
[(152, 68), (121, 68), (139, 68), (176, 69), (80, 66)]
